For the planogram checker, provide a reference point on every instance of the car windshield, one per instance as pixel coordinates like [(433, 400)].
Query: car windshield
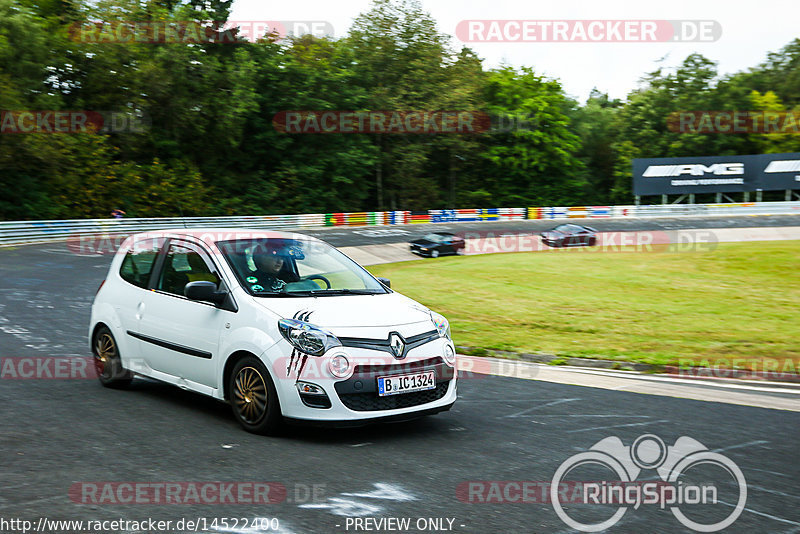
[(436, 238), (296, 267), (565, 228)]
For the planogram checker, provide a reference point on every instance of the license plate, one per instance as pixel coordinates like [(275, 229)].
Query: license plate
[(394, 385)]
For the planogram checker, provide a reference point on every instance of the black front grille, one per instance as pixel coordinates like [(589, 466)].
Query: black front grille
[(360, 391), (370, 402), (384, 345)]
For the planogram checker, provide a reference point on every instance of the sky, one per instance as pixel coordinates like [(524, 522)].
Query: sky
[(749, 30)]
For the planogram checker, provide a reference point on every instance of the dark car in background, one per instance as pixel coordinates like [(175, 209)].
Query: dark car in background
[(569, 235), (437, 243)]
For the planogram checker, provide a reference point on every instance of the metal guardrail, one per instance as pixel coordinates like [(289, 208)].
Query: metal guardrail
[(24, 232), (19, 232)]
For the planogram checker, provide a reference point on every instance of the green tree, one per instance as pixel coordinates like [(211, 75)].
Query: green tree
[(401, 59), (535, 165), (595, 124)]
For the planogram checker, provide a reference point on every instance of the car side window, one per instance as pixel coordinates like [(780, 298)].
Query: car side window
[(185, 263), (139, 260)]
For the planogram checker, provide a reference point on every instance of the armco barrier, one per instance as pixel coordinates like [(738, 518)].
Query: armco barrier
[(361, 218), (419, 217), (512, 214), (597, 212), (19, 232), (533, 213), (577, 212), (474, 215)]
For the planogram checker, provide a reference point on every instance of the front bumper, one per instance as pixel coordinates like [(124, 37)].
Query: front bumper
[(355, 399), (353, 423)]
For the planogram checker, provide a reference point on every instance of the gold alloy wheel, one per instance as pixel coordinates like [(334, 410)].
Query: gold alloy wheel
[(105, 350), (250, 395)]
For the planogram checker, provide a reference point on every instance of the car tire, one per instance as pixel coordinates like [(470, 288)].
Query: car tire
[(253, 397), (434, 253), (107, 361)]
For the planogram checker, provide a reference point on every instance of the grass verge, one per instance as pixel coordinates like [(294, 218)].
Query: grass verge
[(735, 306)]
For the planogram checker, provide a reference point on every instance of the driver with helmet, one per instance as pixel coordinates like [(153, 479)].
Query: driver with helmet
[(273, 268)]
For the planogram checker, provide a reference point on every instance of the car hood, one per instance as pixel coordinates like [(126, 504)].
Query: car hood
[(383, 310), (552, 234), (423, 242)]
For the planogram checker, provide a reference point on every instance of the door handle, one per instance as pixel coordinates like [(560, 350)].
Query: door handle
[(140, 311)]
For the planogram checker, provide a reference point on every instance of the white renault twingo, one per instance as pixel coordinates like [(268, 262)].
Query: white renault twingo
[(282, 326)]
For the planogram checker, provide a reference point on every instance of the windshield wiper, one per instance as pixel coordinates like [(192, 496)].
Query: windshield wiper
[(354, 291), (337, 292), (279, 294)]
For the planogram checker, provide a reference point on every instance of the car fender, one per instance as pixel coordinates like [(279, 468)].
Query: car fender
[(106, 314), (250, 339)]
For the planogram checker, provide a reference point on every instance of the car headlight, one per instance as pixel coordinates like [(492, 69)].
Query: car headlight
[(307, 338), (441, 324), (339, 366)]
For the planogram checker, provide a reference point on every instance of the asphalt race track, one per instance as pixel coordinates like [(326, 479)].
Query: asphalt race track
[(379, 235), (62, 432)]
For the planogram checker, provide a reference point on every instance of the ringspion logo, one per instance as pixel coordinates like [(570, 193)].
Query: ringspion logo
[(671, 463)]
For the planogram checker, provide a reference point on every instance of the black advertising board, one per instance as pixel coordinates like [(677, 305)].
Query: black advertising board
[(780, 171), (716, 174)]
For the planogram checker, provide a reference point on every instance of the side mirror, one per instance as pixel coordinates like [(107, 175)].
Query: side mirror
[(205, 291), (385, 281)]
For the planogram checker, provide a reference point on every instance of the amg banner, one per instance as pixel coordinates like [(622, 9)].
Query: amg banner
[(716, 174), (780, 171)]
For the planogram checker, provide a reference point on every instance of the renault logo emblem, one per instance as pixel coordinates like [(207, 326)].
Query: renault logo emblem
[(398, 345)]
